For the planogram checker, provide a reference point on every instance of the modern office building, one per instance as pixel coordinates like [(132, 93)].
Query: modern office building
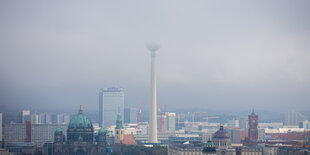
[(35, 118), (293, 118), (244, 123), (130, 115), (39, 133), (110, 99), (24, 116), (171, 121), (0, 126)]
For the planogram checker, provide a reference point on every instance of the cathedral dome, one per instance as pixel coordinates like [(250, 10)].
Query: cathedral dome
[(209, 147), (58, 130), (102, 131), (221, 134), (80, 121)]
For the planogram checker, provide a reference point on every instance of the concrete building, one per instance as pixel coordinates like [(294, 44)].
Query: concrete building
[(45, 118), (130, 115), (110, 99), (39, 134), (35, 118), (293, 118), (233, 123), (24, 116), (14, 132), (244, 123), (0, 126)]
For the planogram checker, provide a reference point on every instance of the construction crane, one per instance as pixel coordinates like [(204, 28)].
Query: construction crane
[(193, 116), (207, 118), (138, 114)]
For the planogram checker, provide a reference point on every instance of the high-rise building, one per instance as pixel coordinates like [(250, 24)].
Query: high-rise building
[(24, 116), (110, 99), (66, 119), (35, 118), (253, 127), (233, 123), (101, 110), (166, 122), (130, 115), (0, 126), (171, 121), (39, 133), (293, 118), (243, 123)]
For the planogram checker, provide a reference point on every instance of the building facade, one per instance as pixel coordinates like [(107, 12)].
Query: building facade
[(130, 115), (253, 127), (110, 99), (80, 138)]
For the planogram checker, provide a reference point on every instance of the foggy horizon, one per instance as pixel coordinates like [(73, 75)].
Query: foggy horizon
[(236, 55)]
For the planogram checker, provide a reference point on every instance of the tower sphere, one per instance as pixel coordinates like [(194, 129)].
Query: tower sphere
[(152, 47)]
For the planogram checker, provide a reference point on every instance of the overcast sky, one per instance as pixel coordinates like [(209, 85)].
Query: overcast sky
[(214, 54)]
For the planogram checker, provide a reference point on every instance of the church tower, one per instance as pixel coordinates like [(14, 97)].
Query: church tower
[(119, 132), (253, 127)]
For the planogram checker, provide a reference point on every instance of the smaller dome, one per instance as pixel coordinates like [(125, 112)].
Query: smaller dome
[(102, 131), (58, 130), (80, 121), (221, 134), (209, 147)]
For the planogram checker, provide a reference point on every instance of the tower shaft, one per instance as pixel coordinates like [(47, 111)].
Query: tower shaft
[(153, 112)]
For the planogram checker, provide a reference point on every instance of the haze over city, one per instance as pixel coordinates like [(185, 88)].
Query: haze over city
[(214, 55)]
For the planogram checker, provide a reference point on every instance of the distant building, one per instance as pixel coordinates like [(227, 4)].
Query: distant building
[(80, 138), (293, 118), (24, 116), (110, 99), (130, 115), (45, 118), (14, 132), (253, 127), (166, 122), (244, 123), (233, 123), (236, 135), (119, 132), (293, 151), (38, 134), (35, 118), (0, 126)]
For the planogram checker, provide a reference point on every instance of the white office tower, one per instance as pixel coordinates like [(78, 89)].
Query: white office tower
[(153, 113), (24, 116), (0, 126), (101, 119), (110, 99), (35, 118)]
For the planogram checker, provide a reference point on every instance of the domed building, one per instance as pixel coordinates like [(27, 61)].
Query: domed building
[(80, 138), (222, 142), (221, 138), (209, 148)]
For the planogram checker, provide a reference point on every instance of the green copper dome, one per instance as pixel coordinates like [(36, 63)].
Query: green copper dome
[(58, 130), (209, 147), (80, 121), (102, 131)]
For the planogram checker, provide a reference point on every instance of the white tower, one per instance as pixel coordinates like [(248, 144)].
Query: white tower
[(153, 113)]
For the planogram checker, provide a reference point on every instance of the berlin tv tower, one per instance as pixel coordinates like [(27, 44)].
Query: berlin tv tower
[(153, 113)]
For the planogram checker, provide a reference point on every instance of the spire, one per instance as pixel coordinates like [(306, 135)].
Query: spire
[(221, 126), (119, 124), (80, 111), (253, 111)]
